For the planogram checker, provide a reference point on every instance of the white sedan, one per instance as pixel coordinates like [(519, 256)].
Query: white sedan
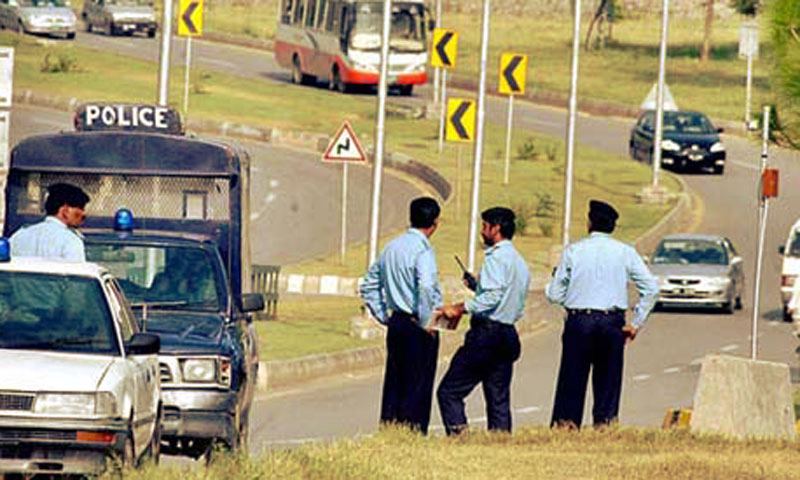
[(79, 383)]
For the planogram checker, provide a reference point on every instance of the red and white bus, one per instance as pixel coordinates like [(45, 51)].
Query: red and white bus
[(339, 41)]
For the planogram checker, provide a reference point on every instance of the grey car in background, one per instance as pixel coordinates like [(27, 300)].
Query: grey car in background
[(696, 270), (48, 17), (120, 17)]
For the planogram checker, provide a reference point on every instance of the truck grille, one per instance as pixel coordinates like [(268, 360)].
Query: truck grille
[(21, 434), (165, 373), (22, 403)]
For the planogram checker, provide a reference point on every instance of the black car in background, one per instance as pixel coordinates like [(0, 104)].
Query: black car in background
[(690, 141)]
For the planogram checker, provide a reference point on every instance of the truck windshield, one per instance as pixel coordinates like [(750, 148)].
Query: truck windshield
[(60, 313), (407, 33), (162, 277)]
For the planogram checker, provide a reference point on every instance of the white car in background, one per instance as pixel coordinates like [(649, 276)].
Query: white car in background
[(790, 269), (78, 384), (47, 17)]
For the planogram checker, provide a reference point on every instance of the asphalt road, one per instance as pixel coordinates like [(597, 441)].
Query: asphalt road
[(662, 364), (295, 198)]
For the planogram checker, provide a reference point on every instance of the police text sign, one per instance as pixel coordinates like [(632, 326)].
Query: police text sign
[(146, 118)]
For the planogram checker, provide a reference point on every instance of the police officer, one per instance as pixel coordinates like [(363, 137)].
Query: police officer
[(401, 290), (491, 346), (591, 282), (56, 236)]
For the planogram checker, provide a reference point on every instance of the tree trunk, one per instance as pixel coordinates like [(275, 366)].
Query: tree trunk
[(599, 13), (705, 53)]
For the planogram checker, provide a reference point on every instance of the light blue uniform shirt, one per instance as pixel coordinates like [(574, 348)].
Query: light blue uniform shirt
[(594, 273), (502, 285), (404, 278), (50, 238)]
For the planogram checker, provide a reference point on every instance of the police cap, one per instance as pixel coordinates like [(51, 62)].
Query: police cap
[(64, 194), (599, 210)]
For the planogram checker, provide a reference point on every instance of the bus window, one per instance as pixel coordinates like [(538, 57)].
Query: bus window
[(312, 11), (286, 12), (323, 5), (299, 9)]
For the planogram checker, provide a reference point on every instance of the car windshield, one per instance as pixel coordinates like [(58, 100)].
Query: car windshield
[(42, 3), (60, 313), (686, 122), (407, 27), (161, 277), (687, 252), (794, 245)]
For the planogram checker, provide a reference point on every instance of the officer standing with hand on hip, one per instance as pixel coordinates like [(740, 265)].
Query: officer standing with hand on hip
[(591, 282), (491, 346), (401, 290)]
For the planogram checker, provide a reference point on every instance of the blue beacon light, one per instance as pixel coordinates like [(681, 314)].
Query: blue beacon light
[(123, 220), (5, 250)]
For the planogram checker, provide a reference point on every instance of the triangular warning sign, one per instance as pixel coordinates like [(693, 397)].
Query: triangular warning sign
[(344, 147), (649, 102)]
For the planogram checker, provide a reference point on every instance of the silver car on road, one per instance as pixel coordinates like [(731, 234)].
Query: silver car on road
[(696, 270), (120, 17), (49, 17)]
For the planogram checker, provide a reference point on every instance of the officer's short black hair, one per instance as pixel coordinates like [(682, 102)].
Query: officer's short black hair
[(423, 212), (501, 216), (602, 216), (60, 194)]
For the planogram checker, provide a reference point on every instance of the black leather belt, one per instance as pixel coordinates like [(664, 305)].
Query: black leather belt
[(595, 311)]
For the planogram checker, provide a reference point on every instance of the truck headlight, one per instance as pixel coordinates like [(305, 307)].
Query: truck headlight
[(670, 145), (199, 370), (717, 147), (101, 403)]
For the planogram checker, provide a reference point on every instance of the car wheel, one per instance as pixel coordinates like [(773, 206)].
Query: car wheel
[(216, 449), (111, 30), (632, 151), (728, 306), (739, 305), (154, 447), (719, 169), (151, 33), (71, 36), (787, 317)]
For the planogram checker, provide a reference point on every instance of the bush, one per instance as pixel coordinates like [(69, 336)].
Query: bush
[(527, 151), (523, 211), (545, 205), (61, 63), (551, 153), (546, 227)]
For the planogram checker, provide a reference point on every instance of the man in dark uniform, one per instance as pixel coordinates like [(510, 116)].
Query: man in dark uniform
[(401, 290), (491, 346), (591, 282)]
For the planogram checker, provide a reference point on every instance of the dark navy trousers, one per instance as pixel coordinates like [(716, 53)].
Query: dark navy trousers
[(591, 340), (487, 357), (410, 370)]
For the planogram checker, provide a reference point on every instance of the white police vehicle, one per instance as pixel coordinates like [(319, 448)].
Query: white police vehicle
[(79, 383)]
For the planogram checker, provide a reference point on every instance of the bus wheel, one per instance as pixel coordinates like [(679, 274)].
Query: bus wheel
[(336, 83), (298, 77)]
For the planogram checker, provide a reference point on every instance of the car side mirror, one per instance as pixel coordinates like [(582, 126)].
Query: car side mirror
[(252, 302), (143, 344), (720, 129), (782, 249)]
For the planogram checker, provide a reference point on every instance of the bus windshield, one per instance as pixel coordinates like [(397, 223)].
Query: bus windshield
[(407, 33)]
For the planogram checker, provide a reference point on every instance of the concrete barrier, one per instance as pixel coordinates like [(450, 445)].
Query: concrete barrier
[(743, 398)]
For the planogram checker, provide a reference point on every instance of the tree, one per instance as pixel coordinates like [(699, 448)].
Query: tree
[(705, 53), (603, 16), (784, 25)]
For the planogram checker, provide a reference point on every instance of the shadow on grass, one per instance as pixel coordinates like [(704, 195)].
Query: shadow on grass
[(720, 52)]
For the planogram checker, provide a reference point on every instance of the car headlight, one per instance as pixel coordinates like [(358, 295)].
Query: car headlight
[(717, 147), (719, 281), (670, 145), (101, 403), (199, 370)]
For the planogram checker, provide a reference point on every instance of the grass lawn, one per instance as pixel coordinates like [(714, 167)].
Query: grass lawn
[(530, 453), (534, 192)]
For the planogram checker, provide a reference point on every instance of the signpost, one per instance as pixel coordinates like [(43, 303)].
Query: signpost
[(190, 24), (444, 51), (748, 49), (164, 61), (768, 189), (344, 148), (571, 120), (662, 60), (513, 72)]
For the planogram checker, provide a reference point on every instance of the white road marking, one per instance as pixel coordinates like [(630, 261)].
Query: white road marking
[(729, 348), (534, 408), (672, 370), (641, 378)]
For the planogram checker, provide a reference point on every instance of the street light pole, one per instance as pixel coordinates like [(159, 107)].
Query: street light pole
[(662, 61), (166, 43), (573, 111)]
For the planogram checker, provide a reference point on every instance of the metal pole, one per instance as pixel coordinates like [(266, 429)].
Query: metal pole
[(662, 61), (748, 116), (166, 42), (763, 211), (343, 246), (573, 110), (377, 167), (458, 181), (437, 71), (186, 76), (478, 155), (443, 113), (509, 126)]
